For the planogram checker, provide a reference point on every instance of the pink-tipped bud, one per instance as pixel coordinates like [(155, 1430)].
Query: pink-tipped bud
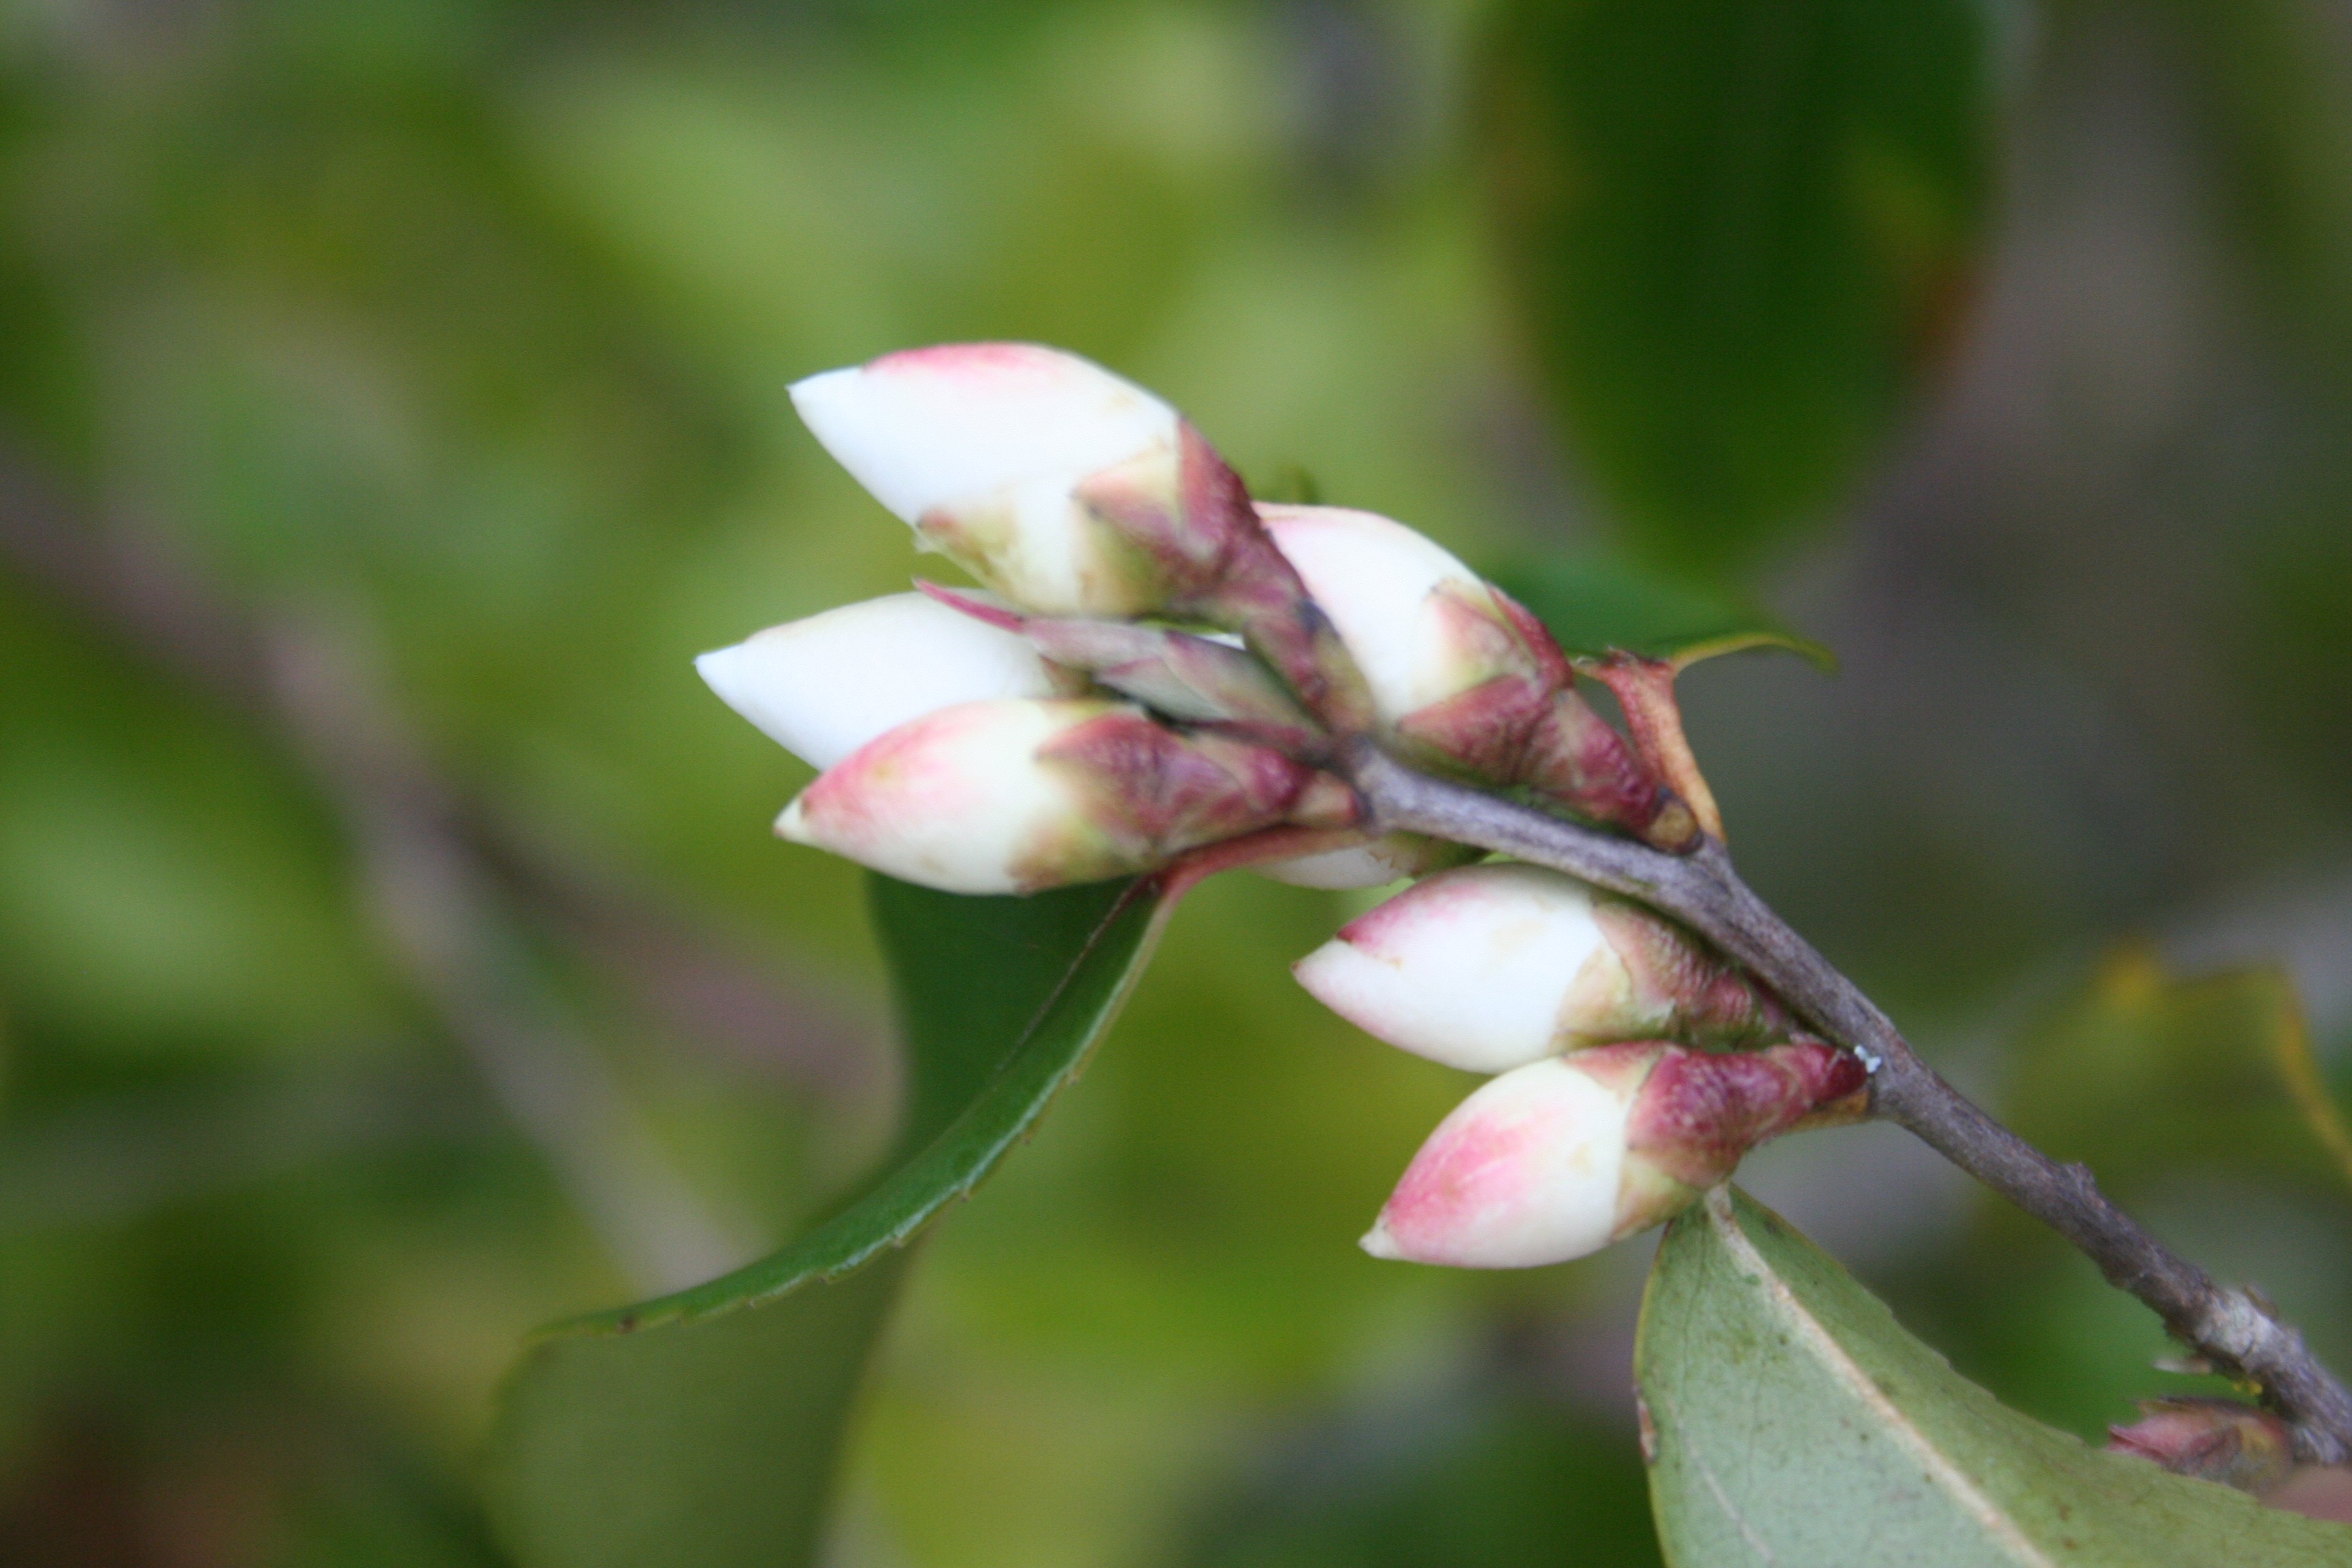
[(983, 447), (822, 687), (1526, 1171), (2213, 1439), (1013, 796), (1557, 1158), (1490, 967)]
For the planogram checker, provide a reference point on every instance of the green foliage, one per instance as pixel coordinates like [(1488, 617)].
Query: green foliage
[(1796, 1421), (1738, 232), (2144, 1074), (713, 1441), (464, 326), (1493, 1478), (705, 1427)]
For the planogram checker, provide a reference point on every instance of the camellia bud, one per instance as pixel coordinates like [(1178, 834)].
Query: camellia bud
[(2213, 1439), (822, 687), (1016, 796), (1075, 493), (1461, 675), (1490, 967), (1424, 626), (1210, 680), (983, 447), (1558, 1158)]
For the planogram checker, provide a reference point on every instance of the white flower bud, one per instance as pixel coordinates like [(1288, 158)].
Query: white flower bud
[(1484, 968), (1525, 1171), (1421, 626), (1488, 967), (822, 687), (1015, 796), (959, 800), (1562, 1156), (983, 447)]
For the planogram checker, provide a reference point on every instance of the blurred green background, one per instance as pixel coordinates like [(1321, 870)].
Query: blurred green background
[(393, 952)]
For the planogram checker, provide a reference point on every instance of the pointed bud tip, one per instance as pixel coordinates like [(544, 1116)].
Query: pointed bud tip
[(718, 668), (1380, 1244), (793, 825), (1315, 971), (825, 387), (826, 685)]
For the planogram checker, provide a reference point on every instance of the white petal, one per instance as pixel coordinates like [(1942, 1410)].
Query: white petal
[(1525, 1171), (949, 425), (822, 687), (1373, 576), (1474, 968), (958, 800)]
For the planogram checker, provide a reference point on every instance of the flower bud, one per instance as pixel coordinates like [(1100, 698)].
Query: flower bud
[(1526, 1171), (1075, 493), (822, 687), (2212, 1439), (1016, 796), (1490, 967), (1557, 1158), (982, 447), (1422, 627), (1461, 675)]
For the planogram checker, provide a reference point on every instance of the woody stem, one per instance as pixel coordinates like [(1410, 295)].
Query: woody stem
[(2237, 1332)]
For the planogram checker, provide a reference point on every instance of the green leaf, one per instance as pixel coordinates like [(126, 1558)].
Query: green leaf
[(702, 1430), (1737, 230), (1796, 1422), (1596, 604)]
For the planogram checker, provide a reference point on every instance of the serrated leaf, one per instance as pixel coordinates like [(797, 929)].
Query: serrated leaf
[(702, 1430), (1596, 604), (1736, 230), (1795, 1422)]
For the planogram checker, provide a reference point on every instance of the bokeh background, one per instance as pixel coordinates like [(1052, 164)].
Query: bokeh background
[(392, 953)]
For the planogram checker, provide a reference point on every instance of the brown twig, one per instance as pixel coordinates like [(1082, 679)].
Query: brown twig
[(2233, 1329)]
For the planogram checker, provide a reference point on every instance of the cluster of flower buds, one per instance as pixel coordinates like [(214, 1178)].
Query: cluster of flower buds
[(1166, 665), (1635, 1067), (1153, 665)]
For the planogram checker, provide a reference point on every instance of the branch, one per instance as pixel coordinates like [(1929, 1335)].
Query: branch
[(2233, 1329)]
